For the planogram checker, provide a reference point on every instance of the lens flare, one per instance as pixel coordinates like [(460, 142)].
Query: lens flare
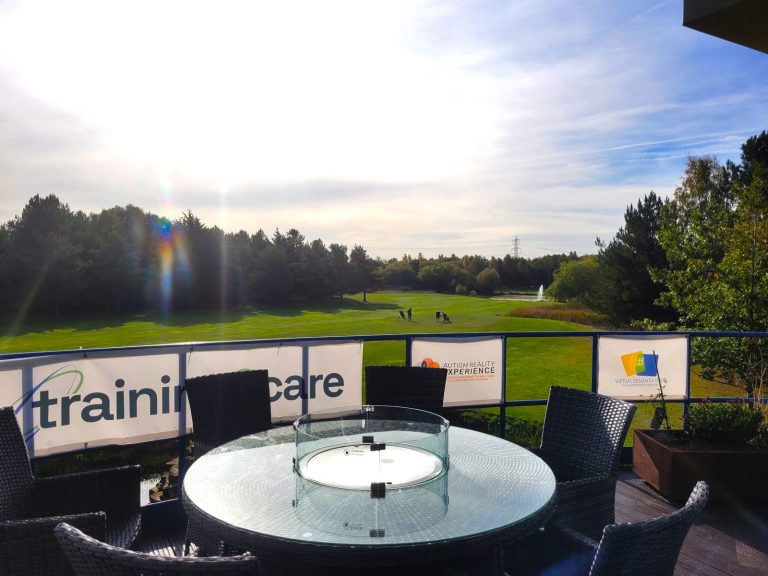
[(166, 266)]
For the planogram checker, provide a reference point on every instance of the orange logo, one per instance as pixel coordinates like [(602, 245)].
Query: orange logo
[(429, 363)]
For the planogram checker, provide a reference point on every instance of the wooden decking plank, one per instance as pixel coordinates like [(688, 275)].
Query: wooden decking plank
[(163, 540), (725, 541)]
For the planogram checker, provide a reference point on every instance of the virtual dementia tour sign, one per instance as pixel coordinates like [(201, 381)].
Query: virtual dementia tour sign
[(631, 367), (99, 401)]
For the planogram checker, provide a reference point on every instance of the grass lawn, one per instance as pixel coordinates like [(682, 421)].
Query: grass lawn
[(533, 364)]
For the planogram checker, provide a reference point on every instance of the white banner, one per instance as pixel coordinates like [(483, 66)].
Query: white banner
[(10, 387), (474, 367), (95, 401), (630, 367), (334, 374), (282, 362), (101, 401)]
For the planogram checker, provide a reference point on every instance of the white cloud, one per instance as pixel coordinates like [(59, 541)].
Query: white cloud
[(401, 126)]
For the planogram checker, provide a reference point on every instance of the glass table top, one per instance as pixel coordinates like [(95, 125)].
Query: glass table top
[(252, 484)]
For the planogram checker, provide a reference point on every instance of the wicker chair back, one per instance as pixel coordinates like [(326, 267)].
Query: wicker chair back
[(645, 548), (16, 478), (650, 547), (105, 503), (582, 440), (91, 557), (409, 386), (584, 433), (227, 406)]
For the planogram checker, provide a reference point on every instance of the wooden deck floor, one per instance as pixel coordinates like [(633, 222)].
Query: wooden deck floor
[(725, 541)]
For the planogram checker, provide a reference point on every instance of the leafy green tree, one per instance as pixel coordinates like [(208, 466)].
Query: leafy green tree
[(474, 264), (238, 251), (45, 260), (487, 282), (112, 261), (361, 269), (629, 293), (198, 264), (399, 274), (754, 153), (339, 269), (271, 277), (5, 255), (578, 281), (444, 277), (318, 277), (715, 233)]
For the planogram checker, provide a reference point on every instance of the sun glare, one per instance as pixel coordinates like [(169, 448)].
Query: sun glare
[(244, 91)]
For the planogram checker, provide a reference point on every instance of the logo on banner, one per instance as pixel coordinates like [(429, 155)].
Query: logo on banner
[(639, 364), (54, 408), (75, 384), (472, 370)]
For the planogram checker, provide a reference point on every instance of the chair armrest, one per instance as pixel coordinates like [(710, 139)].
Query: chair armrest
[(30, 547), (114, 490), (577, 537), (586, 505)]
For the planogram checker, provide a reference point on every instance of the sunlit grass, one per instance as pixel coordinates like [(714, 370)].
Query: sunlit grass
[(532, 364)]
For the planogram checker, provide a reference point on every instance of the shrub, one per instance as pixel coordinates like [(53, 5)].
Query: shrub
[(523, 431), (724, 423), (518, 430), (575, 313), (487, 282)]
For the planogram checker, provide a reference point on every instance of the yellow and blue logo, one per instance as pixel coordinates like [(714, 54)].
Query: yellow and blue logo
[(639, 364)]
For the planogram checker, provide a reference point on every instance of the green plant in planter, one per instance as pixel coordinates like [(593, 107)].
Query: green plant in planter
[(724, 423)]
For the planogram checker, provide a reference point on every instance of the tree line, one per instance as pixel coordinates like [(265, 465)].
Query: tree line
[(124, 259), (697, 261)]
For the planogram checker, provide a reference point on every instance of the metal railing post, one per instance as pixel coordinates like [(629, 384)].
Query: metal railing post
[(687, 381), (27, 418), (182, 439), (595, 361), (408, 358), (503, 407), (304, 378)]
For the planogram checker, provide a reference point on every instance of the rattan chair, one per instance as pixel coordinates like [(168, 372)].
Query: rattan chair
[(647, 548), (582, 440), (104, 503), (90, 557), (410, 386), (227, 406), (224, 407)]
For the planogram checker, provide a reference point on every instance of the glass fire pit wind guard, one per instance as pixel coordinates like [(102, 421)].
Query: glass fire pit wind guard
[(371, 472), (372, 448)]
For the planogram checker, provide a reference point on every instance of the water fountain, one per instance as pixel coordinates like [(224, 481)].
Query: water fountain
[(540, 295)]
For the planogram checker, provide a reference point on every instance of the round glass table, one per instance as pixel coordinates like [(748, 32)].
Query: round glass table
[(356, 490)]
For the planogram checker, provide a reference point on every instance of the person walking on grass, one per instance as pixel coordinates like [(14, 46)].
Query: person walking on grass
[(437, 315), (409, 313)]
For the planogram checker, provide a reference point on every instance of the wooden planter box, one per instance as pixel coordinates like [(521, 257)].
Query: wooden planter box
[(733, 474)]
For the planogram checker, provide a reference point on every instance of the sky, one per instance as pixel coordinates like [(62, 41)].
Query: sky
[(404, 126)]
